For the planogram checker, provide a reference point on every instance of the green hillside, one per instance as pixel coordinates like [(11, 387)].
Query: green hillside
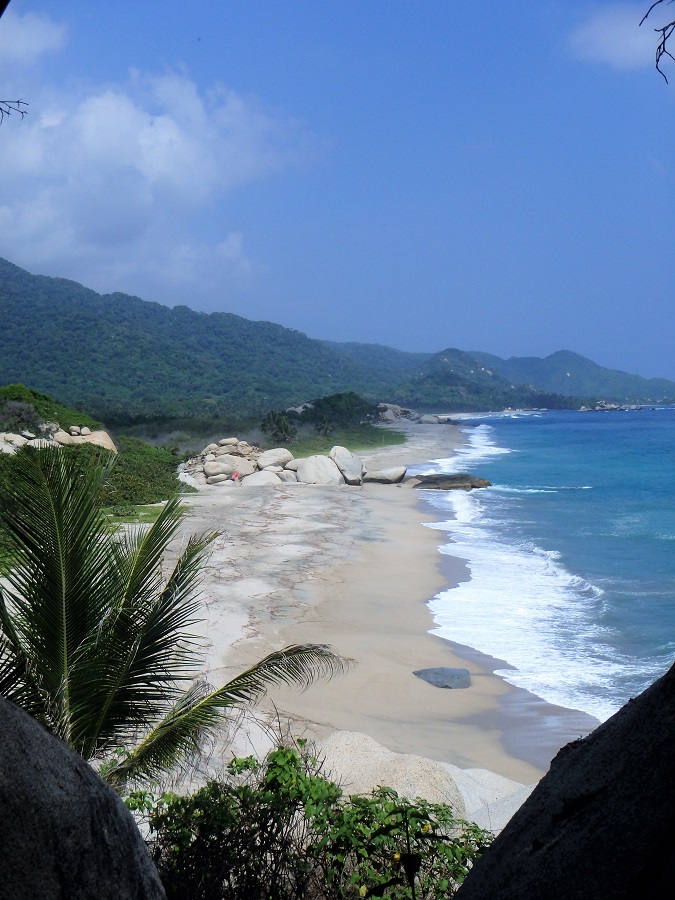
[(565, 372), (125, 359), (456, 380), (105, 352)]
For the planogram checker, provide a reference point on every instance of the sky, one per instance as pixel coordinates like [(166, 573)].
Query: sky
[(491, 175)]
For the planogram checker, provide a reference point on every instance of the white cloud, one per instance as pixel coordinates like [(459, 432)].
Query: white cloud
[(25, 37), (105, 186), (613, 35)]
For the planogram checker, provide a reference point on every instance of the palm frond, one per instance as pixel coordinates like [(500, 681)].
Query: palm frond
[(199, 710), (147, 651), (58, 580)]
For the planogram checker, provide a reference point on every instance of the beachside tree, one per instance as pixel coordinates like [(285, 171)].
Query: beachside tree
[(94, 639)]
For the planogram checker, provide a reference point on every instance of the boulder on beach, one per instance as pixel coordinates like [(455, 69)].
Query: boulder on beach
[(385, 476), (445, 676), (276, 457), (360, 764), (287, 477), (319, 470), (429, 420), (257, 479), (439, 481), (348, 463), (219, 467), (64, 832), (600, 823)]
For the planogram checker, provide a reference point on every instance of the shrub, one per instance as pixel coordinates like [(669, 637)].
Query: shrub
[(285, 832)]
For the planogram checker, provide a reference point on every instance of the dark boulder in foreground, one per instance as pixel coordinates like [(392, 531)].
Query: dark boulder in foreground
[(441, 482), (64, 834), (445, 677), (601, 824)]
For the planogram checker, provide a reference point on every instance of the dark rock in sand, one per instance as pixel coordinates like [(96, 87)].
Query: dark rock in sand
[(441, 482), (445, 677), (601, 823), (64, 834)]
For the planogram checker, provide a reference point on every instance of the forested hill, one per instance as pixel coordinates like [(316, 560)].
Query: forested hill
[(114, 354), (565, 372), (114, 350)]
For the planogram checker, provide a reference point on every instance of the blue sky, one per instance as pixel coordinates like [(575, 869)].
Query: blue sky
[(492, 175)]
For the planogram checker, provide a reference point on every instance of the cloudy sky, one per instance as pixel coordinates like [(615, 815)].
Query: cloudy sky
[(481, 174)]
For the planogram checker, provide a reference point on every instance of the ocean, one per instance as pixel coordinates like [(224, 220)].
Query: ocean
[(571, 551)]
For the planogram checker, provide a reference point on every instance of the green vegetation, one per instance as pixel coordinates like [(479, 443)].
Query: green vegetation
[(138, 362), (457, 381), (94, 638), (569, 373), (21, 407), (283, 831), (358, 437)]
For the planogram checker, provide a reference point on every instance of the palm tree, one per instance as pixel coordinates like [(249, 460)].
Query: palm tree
[(93, 639)]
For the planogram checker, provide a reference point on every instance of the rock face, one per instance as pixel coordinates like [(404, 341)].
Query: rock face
[(601, 823), (429, 420), (65, 835), (319, 470), (445, 677), (386, 476), (349, 464), (442, 482)]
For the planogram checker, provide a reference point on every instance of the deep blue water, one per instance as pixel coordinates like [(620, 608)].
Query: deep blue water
[(571, 551)]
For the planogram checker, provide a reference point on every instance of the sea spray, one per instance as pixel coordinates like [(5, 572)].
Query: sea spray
[(566, 584)]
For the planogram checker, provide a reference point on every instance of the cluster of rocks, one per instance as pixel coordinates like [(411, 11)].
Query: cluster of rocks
[(232, 462), (52, 435), (390, 412), (604, 406)]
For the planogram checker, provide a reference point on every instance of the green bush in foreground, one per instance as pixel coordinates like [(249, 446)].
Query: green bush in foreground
[(286, 832)]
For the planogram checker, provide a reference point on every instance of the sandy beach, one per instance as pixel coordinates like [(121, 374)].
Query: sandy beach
[(354, 567)]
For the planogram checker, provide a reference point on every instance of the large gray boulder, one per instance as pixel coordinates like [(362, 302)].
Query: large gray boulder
[(258, 479), (601, 823), (64, 834), (386, 476), (277, 457), (235, 463), (319, 470), (218, 467), (348, 463)]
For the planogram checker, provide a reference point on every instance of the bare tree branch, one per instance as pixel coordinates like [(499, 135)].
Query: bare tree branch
[(7, 107), (665, 32)]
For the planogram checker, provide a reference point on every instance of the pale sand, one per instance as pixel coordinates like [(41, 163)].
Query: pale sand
[(354, 567)]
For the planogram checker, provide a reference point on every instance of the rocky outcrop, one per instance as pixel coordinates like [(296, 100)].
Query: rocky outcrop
[(442, 482), (230, 462), (65, 835), (601, 823), (54, 436), (349, 464)]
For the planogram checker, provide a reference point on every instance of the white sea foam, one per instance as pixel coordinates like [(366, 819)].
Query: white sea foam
[(521, 604)]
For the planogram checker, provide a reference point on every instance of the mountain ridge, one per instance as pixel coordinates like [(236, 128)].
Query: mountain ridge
[(119, 354)]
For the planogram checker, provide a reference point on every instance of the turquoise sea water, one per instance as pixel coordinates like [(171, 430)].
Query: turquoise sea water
[(571, 551)]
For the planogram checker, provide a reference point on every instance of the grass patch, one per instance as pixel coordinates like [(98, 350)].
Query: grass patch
[(355, 437), (134, 515)]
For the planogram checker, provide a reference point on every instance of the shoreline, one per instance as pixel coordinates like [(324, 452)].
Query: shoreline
[(356, 568)]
